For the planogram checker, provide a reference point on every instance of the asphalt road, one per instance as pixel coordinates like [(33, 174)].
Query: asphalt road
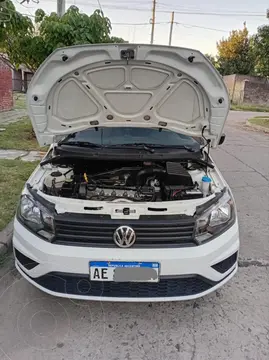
[(232, 323)]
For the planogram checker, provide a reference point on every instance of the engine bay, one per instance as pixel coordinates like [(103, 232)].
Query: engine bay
[(116, 181)]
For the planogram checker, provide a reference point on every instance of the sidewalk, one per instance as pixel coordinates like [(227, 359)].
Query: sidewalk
[(7, 117), (22, 155)]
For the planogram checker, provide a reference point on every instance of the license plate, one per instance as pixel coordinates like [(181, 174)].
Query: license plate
[(124, 271)]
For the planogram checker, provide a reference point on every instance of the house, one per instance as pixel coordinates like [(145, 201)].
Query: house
[(21, 78), (6, 94)]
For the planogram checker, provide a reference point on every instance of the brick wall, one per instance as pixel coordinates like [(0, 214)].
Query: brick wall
[(6, 96), (229, 81), (236, 87), (238, 91), (256, 93)]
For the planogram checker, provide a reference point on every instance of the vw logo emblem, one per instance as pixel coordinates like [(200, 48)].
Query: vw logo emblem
[(124, 236)]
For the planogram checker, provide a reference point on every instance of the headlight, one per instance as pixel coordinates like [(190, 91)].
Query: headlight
[(215, 219), (36, 217)]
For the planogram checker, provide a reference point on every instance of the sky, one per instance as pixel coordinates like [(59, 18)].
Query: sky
[(130, 19)]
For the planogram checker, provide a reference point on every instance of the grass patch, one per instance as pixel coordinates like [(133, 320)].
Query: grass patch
[(261, 121), (261, 117), (256, 108), (13, 175), (19, 100), (19, 135)]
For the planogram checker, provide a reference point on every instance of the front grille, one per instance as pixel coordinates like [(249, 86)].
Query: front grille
[(166, 287), (151, 231)]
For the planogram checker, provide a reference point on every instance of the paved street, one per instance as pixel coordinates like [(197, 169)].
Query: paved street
[(231, 324), (244, 162)]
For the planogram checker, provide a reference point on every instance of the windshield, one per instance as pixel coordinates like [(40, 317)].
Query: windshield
[(129, 135)]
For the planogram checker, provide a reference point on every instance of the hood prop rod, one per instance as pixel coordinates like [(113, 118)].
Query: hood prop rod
[(208, 141)]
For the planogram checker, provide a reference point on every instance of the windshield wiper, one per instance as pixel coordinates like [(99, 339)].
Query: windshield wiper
[(151, 147), (183, 147), (81, 144), (143, 146)]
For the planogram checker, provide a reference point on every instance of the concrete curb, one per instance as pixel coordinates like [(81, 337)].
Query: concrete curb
[(6, 238), (257, 127)]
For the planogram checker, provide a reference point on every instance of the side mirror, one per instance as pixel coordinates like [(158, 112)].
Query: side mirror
[(222, 139)]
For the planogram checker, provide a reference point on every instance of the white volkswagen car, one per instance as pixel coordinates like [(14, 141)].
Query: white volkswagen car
[(127, 205)]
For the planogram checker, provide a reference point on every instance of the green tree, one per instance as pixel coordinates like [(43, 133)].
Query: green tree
[(235, 54), (29, 43), (117, 40), (73, 28), (212, 59), (261, 50), (14, 29)]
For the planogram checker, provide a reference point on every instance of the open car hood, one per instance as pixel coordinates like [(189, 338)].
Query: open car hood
[(127, 85)]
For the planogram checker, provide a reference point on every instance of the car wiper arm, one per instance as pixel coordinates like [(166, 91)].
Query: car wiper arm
[(143, 146), (183, 147), (147, 147), (81, 144), (150, 147)]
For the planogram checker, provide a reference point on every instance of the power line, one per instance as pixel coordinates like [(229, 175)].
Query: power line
[(200, 27), (186, 12), (178, 10), (116, 3), (184, 8), (168, 22), (218, 14), (142, 24), (126, 2)]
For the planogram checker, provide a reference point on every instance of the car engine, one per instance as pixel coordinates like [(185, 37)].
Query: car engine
[(144, 182)]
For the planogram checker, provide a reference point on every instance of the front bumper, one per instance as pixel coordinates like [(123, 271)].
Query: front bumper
[(186, 273)]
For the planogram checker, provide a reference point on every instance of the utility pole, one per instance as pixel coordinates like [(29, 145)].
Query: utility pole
[(171, 28), (153, 21), (60, 7)]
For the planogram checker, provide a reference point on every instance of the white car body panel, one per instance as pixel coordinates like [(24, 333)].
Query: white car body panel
[(163, 86), (75, 260), (126, 299)]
